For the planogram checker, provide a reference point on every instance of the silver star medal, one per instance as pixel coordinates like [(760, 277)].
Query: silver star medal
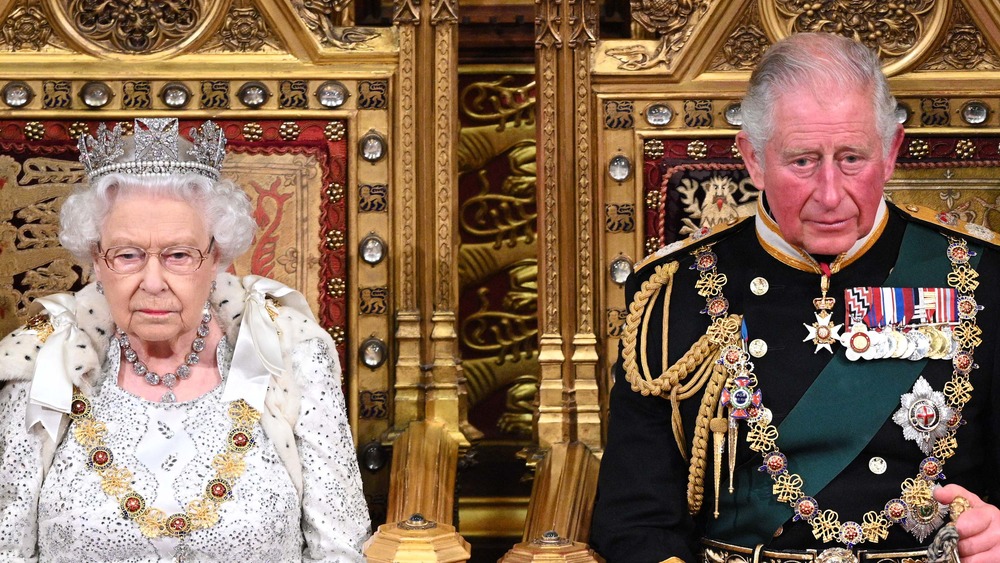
[(924, 415), (823, 332)]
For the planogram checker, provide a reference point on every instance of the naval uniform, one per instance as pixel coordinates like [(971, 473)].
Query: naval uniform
[(642, 509)]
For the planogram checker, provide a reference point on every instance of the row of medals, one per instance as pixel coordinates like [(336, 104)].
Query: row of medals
[(911, 343)]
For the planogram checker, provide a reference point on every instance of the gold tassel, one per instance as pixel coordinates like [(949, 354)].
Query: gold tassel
[(718, 427), (734, 430)]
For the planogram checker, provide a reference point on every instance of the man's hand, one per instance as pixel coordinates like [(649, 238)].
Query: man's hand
[(978, 527)]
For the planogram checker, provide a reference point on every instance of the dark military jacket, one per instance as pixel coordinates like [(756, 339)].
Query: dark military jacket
[(641, 513)]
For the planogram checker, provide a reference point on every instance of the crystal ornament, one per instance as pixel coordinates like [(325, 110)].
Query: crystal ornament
[(903, 113), (621, 269), (734, 115), (331, 94), (17, 94), (373, 352), (175, 95), (254, 94), (619, 168), (975, 112), (372, 147), (372, 249), (659, 114), (95, 94)]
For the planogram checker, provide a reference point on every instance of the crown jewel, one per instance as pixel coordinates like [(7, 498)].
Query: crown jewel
[(154, 150)]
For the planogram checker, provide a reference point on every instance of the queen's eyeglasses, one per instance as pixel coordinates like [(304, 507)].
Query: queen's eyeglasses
[(175, 259)]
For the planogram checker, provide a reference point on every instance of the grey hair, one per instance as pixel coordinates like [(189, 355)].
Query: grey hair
[(224, 206), (815, 60)]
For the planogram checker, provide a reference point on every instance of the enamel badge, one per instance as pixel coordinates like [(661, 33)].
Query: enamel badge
[(924, 415), (823, 332)]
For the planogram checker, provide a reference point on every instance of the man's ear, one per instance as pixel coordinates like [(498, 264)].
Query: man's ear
[(895, 144), (751, 159)]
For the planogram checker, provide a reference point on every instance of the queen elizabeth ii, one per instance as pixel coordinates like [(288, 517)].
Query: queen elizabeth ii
[(169, 410)]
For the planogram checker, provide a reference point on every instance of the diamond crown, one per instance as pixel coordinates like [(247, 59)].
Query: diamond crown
[(155, 149)]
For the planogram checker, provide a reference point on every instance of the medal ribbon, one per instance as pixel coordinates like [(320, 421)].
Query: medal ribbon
[(883, 306)]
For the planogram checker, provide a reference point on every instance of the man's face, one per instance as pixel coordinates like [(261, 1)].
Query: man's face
[(823, 169)]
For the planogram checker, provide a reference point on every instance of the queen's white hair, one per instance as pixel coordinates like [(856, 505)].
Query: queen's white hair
[(225, 208)]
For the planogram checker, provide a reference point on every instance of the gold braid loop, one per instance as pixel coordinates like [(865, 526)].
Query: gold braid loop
[(643, 383), (700, 351), (680, 393)]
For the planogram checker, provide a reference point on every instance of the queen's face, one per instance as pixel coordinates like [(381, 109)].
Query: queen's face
[(158, 307)]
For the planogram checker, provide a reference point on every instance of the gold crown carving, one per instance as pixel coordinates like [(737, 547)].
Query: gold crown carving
[(153, 150)]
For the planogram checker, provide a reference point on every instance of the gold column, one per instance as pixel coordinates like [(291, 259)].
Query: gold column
[(440, 199), (585, 343), (427, 214), (409, 390), (553, 421), (568, 399)]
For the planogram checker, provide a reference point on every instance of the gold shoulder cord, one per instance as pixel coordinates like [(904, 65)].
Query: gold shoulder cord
[(700, 359)]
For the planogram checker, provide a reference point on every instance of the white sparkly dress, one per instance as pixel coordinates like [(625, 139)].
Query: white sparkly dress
[(169, 449)]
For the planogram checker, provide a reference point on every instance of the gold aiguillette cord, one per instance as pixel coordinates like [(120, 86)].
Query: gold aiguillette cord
[(718, 427)]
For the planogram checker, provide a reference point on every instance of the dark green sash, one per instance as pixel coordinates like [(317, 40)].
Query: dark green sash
[(813, 435)]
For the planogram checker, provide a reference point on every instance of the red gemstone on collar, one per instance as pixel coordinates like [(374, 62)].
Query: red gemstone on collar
[(79, 408), (775, 463), (100, 457), (240, 440), (806, 508), (133, 505), (732, 356), (178, 524), (895, 510), (962, 362), (717, 306), (955, 420), (706, 261), (931, 468)]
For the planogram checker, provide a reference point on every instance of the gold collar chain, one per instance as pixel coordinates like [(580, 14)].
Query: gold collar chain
[(915, 509), (116, 480)]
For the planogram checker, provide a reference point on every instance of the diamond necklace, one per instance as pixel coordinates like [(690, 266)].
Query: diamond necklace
[(183, 371)]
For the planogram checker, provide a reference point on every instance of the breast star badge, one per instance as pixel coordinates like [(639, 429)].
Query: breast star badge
[(823, 332), (924, 415)]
